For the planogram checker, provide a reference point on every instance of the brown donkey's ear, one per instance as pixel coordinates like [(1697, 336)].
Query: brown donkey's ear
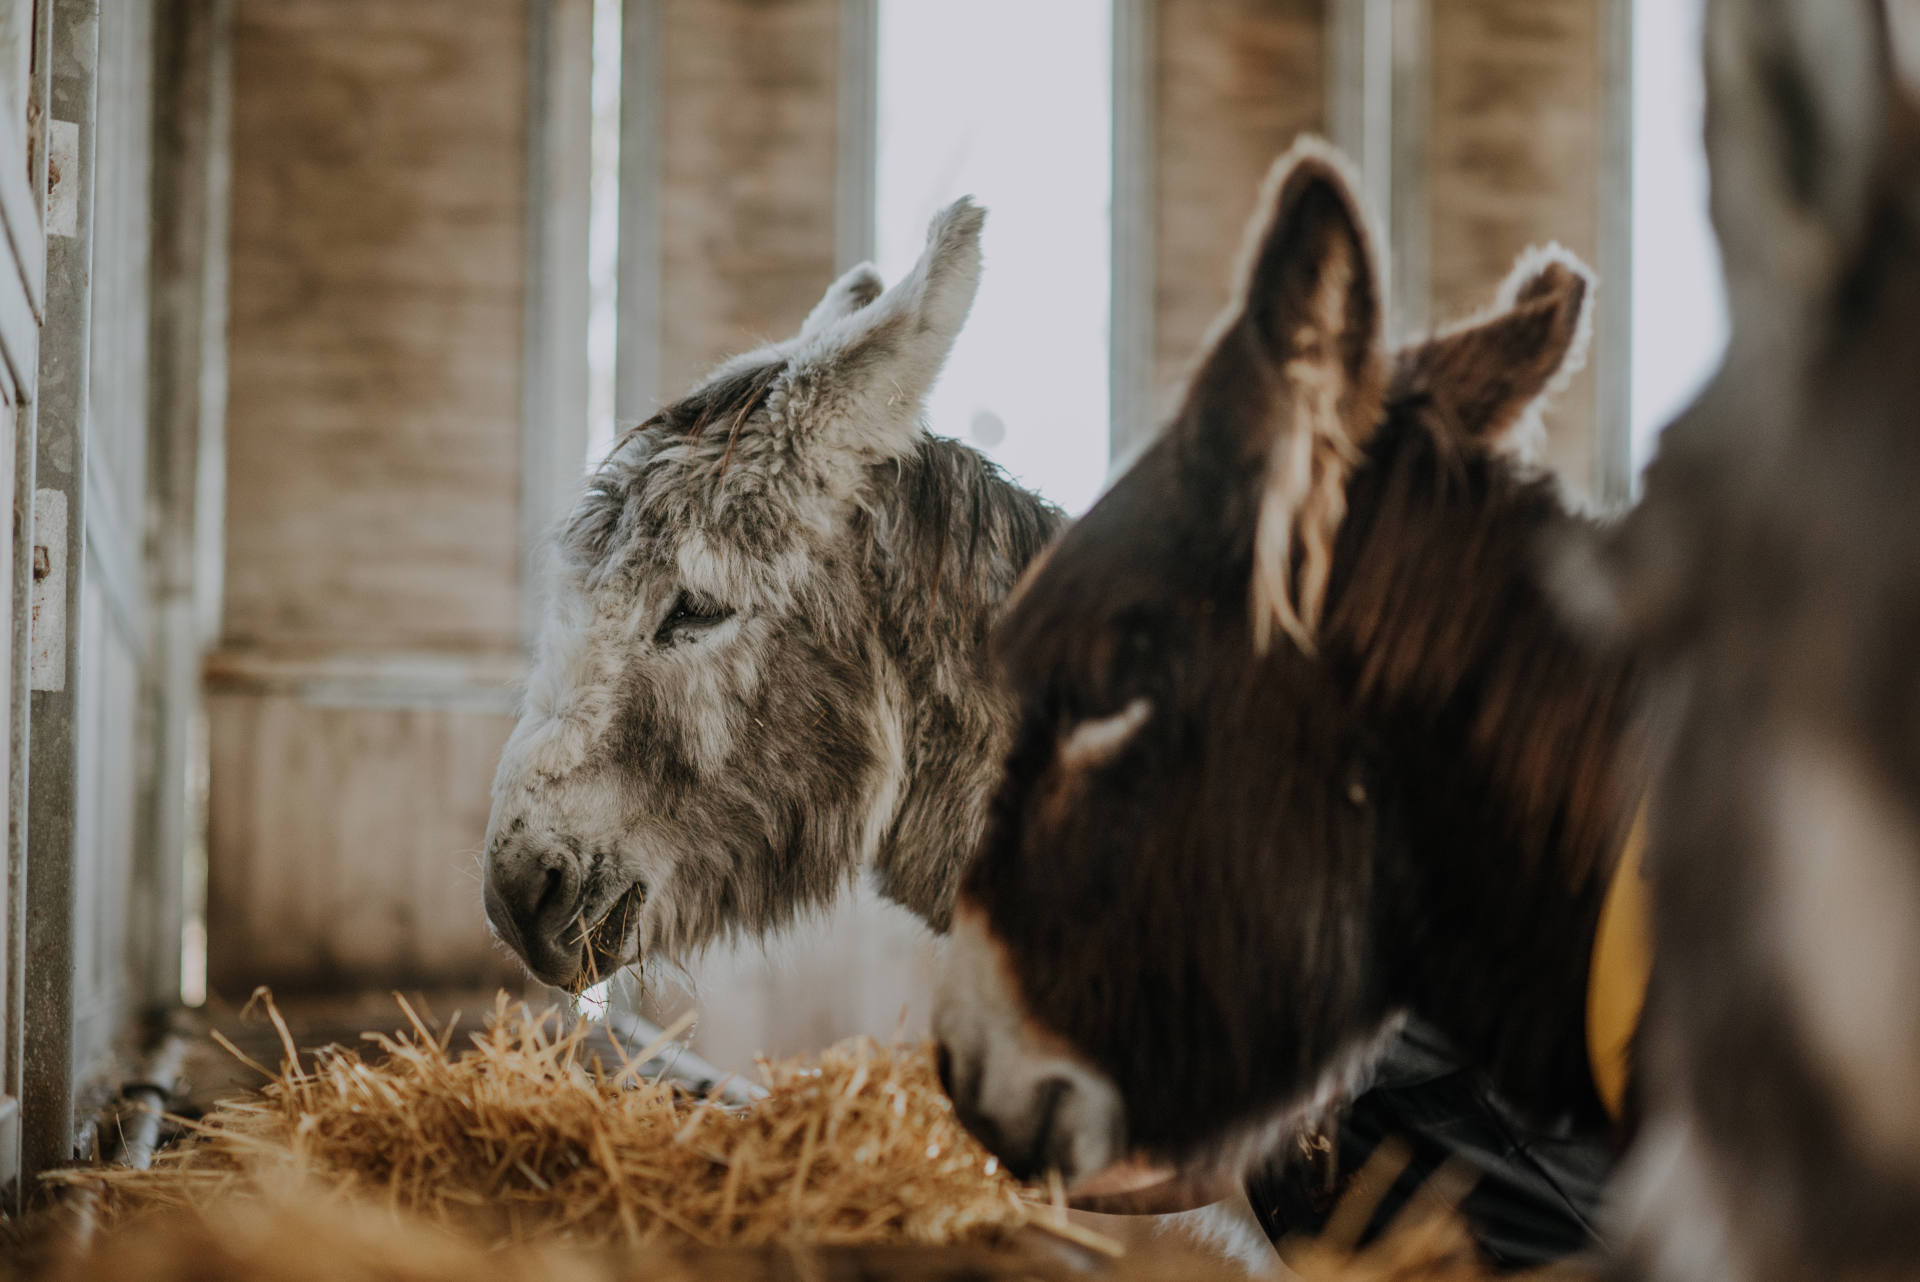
[(1489, 375), (1294, 377)]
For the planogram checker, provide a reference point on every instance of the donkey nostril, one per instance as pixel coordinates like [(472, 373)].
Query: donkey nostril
[(1049, 1147), (943, 1065), (549, 892)]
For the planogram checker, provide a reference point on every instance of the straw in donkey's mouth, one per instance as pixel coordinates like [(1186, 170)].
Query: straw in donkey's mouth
[(603, 943)]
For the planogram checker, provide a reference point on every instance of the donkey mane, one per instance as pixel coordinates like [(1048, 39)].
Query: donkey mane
[(1445, 635), (946, 533), (732, 396)]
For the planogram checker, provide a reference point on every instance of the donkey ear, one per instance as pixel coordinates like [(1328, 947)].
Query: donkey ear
[(854, 290), (858, 383), (1488, 376), (1311, 291), (1798, 104), (1293, 380)]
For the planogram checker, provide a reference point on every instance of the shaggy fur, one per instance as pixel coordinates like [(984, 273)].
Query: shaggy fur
[(1771, 579), (761, 669), (1405, 796)]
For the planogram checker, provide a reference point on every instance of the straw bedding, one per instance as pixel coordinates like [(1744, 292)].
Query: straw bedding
[(279, 1242), (523, 1157), (524, 1138)]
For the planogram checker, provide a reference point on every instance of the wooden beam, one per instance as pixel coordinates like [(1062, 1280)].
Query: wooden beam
[(1407, 211), (1360, 97), (193, 101), (20, 690), (1133, 401), (856, 139), (470, 682), (553, 422), (47, 1098), (636, 376), (1613, 471)]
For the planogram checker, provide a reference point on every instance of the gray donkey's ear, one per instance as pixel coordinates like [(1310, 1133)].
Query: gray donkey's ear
[(857, 384), (1799, 98), (843, 298)]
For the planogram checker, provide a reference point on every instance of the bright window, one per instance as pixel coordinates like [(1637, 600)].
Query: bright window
[(1011, 102), (1679, 308)]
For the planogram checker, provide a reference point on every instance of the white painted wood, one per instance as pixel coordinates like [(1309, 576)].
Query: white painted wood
[(1133, 400), (554, 377), (856, 140), (636, 387), (1614, 477), (58, 861), (24, 367), (193, 99), (1360, 97), (63, 153), (1409, 55)]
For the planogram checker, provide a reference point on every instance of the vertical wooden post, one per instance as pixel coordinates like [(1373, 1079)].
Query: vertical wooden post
[(1377, 92), (1360, 97), (1410, 266), (855, 128), (193, 104), (1613, 474), (20, 699), (636, 377), (1132, 403), (60, 549), (553, 421)]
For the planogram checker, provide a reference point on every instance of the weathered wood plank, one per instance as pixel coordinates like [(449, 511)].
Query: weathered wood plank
[(748, 117), (378, 265), (1515, 158), (1238, 81), (57, 856), (345, 845)]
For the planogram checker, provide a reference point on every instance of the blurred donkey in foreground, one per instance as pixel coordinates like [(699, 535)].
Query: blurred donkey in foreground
[(1771, 581)]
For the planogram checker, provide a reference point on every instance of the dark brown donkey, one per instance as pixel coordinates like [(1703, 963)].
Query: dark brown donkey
[(1302, 747), (1771, 582)]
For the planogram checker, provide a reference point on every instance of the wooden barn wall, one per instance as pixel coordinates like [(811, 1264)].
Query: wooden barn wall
[(378, 266), (748, 94), (1236, 81), (374, 878), (22, 287), (1514, 157), (110, 726)]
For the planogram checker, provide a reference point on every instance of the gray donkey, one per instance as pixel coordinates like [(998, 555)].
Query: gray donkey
[(1771, 580), (761, 672)]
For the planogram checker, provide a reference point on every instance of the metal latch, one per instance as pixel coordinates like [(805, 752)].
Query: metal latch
[(47, 668)]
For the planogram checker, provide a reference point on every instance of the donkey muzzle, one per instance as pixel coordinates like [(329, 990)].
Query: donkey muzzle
[(1026, 1096), (533, 903)]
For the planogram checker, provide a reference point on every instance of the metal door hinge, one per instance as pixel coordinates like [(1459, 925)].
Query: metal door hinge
[(48, 627)]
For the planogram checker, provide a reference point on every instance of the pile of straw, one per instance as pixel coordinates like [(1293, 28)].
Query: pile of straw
[(523, 1138), (333, 1244), (526, 1158)]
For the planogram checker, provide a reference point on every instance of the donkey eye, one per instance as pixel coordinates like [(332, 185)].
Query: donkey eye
[(691, 613)]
